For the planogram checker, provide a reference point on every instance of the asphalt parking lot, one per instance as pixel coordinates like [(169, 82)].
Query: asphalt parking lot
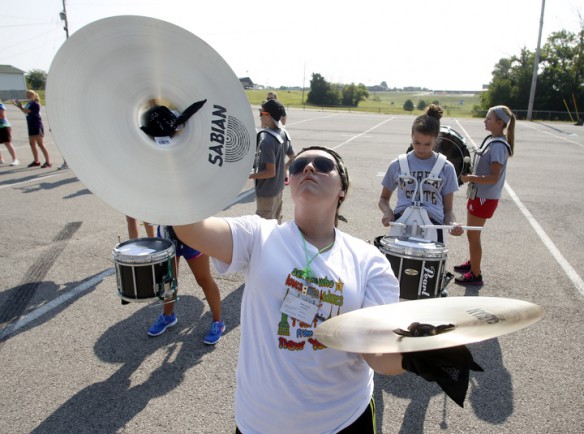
[(74, 359)]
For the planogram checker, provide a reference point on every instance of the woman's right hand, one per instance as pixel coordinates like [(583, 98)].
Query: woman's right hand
[(387, 218)]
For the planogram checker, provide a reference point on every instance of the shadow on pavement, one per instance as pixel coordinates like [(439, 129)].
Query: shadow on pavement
[(107, 406), (490, 393)]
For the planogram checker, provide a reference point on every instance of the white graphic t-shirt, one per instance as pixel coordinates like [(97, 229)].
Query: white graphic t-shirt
[(287, 381)]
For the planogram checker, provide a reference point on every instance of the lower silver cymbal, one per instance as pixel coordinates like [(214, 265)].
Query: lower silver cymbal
[(371, 330)]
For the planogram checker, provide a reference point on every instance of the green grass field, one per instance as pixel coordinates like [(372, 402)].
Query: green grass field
[(389, 102)]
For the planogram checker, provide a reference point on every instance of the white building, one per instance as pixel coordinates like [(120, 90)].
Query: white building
[(12, 83)]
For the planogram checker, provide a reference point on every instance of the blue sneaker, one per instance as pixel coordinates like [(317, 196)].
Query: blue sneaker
[(162, 324), (214, 335)]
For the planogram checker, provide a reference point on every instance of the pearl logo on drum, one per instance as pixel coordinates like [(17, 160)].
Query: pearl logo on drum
[(230, 140), (429, 273)]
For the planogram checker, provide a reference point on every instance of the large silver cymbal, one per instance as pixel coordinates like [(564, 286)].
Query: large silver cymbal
[(371, 330), (102, 81)]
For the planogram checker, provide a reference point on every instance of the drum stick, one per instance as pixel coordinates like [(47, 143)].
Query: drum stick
[(466, 228)]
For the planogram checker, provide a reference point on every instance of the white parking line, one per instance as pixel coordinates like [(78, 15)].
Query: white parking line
[(36, 178), (553, 135), (568, 269), (555, 252), (56, 302), (363, 133)]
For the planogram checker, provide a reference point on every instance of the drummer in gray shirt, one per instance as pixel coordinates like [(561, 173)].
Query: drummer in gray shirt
[(437, 196), (271, 166)]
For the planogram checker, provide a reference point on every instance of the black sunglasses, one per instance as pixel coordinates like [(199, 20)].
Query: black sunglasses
[(321, 164)]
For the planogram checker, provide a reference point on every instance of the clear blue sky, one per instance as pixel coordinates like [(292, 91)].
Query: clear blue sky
[(448, 44)]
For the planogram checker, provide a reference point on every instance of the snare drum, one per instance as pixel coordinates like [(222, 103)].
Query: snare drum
[(144, 268), (418, 265)]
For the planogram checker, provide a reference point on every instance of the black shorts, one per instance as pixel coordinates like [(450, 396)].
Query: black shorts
[(36, 131), (366, 423), (5, 135)]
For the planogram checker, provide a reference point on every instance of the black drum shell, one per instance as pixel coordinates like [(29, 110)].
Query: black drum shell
[(142, 265), (420, 271)]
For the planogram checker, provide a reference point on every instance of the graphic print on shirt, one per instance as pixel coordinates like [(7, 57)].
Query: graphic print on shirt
[(327, 295), (430, 189)]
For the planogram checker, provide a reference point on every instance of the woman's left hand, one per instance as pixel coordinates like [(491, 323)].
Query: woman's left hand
[(456, 230)]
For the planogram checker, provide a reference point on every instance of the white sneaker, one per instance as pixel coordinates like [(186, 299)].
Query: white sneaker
[(15, 163), (1, 161), (63, 166)]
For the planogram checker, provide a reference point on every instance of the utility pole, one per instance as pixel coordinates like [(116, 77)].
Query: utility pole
[(303, 81), (63, 16), (535, 66)]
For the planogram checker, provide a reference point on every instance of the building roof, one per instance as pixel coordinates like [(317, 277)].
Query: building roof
[(9, 69)]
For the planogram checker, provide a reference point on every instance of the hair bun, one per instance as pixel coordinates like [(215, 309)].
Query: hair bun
[(435, 111)]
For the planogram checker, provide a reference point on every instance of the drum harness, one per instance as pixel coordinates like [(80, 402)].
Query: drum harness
[(271, 132), (168, 287), (415, 216), (471, 191)]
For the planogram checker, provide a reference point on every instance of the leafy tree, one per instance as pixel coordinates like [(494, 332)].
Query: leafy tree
[(409, 106), (349, 94), (36, 79), (322, 92), (353, 94), (421, 105), (511, 82), (562, 64)]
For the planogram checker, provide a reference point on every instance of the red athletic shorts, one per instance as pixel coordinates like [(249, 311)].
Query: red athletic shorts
[(482, 208)]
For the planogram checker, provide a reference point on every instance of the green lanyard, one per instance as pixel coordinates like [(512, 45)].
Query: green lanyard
[(307, 272)]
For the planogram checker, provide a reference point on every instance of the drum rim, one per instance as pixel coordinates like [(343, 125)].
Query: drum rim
[(438, 253), (152, 258)]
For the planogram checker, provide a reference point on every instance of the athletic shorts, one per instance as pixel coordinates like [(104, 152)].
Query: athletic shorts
[(270, 207), (36, 131), (181, 249), (5, 136), (482, 208)]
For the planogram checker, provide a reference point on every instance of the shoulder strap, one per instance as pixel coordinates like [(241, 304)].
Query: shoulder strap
[(489, 140), (288, 138), (272, 133), (438, 165), (404, 167)]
